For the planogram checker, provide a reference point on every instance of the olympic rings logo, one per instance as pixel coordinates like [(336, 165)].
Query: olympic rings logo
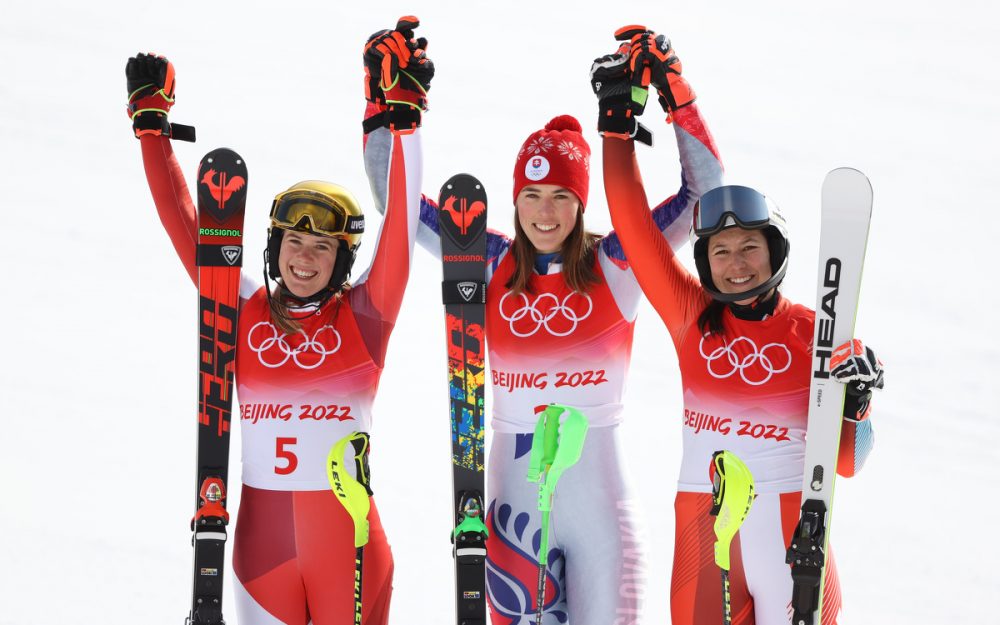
[(547, 311), (325, 342), (767, 360)]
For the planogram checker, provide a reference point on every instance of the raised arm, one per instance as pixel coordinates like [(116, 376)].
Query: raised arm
[(150, 81), (674, 293), (619, 80), (399, 76), (377, 147)]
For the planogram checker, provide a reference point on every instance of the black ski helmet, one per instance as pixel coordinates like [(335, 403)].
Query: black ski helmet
[(319, 208), (735, 206)]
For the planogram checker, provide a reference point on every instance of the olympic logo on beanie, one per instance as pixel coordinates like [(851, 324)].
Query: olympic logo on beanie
[(536, 168), (557, 154)]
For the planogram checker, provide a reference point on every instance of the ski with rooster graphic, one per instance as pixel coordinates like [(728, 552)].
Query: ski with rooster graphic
[(462, 218), (222, 192)]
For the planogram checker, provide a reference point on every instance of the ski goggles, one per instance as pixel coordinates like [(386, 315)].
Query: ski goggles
[(730, 205), (310, 212)]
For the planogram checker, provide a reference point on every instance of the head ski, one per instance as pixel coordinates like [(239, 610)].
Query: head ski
[(846, 213)]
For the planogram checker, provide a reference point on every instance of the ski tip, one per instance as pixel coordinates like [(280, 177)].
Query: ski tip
[(463, 181), (846, 174), (226, 155), (850, 181)]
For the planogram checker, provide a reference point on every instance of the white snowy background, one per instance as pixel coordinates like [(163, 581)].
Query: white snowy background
[(97, 366)]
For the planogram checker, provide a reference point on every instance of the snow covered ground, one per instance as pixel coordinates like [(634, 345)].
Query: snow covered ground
[(97, 379)]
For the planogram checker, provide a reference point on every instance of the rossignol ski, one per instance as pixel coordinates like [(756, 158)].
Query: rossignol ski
[(846, 214), (462, 220), (222, 192)]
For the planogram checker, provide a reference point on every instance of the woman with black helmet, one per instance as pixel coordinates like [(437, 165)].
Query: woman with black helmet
[(745, 356), (310, 352)]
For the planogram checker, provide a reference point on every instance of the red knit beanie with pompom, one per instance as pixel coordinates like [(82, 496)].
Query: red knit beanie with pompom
[(557, 154)]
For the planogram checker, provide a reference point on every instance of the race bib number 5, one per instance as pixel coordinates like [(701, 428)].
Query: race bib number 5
[(285, 459)]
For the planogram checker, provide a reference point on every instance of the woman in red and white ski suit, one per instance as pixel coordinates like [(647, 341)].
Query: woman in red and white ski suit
[(560, 313), (745, 359), (309, 358)]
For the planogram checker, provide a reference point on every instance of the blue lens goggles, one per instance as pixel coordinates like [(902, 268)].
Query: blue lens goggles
[(748, 209)]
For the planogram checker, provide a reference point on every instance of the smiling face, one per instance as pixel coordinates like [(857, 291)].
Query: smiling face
[(739, 260), (306, 262), (547, 214)]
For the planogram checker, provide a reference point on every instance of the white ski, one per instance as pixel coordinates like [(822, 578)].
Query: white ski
[(846, 214)]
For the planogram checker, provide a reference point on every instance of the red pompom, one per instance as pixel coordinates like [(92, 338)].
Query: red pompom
[(564, 122)]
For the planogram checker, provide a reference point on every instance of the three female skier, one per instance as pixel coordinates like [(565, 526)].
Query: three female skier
[(561, 309)]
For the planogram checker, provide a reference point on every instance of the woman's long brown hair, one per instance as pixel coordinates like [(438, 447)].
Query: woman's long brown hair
[(577, 251)]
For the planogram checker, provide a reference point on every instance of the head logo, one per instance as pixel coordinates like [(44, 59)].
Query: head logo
[(537, 168)]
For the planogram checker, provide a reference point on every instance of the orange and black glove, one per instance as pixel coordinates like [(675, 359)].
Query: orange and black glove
[(150, 82), (855, 365), (654, 62), (620, 98), (398, 76)]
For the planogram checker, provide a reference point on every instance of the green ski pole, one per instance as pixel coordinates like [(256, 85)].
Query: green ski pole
[(732, 496), (355, 496), (555, 447)]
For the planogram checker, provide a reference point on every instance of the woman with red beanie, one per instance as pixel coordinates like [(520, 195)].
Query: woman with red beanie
[(560, 312)]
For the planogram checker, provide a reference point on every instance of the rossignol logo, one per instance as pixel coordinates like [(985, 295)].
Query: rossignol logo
[(465, 214), (224, 188), (464, 258), (219, 232), (467, 290), (828, 306), (231, 253)]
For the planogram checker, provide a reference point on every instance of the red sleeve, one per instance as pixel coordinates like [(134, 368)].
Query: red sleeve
[(385, 281), (674, 293), (172, 199)]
